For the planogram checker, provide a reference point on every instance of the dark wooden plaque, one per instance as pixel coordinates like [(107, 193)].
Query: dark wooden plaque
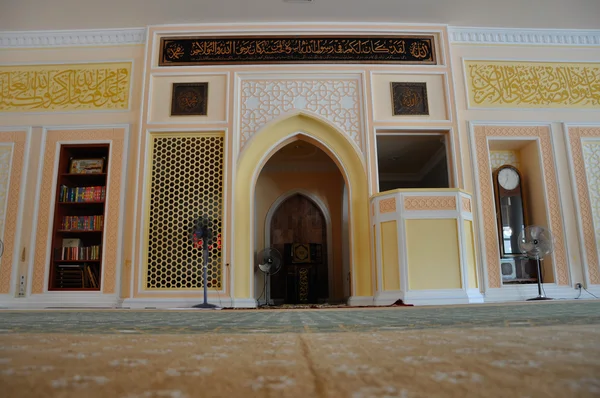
[(189, 99), (409, 99), (203, 50)]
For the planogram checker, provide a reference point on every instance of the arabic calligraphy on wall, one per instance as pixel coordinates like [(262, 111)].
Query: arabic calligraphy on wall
[(494, 84), (236, 50), (71, 87)]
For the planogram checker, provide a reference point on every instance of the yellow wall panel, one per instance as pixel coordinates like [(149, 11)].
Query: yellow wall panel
[(470, 255), (433, 254), (498, 84), (389, 255), (68, 87)]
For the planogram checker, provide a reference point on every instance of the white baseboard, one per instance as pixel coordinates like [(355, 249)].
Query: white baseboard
[(524, 292), (244, 303), (61, 300), (475, 296), (388, 297), (173, 303), (360, 301), (440, 297)]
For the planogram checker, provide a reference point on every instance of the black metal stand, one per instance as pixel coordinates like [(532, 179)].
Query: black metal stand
[(205, 305), (267, 291), (541, 295)]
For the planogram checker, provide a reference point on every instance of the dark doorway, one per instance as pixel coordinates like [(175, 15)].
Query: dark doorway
[(298, 221)]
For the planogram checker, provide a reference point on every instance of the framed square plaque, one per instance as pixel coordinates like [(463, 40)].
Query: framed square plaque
[(409, 98), (189, 99)]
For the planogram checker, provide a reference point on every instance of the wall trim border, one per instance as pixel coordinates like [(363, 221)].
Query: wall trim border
[(72, 38), (457, 35), (514, 36)]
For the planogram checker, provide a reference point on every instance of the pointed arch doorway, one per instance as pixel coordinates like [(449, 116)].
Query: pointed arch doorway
[(351, 166), (300, 216)]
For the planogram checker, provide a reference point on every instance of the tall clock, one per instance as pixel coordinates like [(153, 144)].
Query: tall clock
[(510, 209)]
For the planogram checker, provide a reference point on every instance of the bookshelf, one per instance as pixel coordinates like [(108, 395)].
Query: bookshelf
[(78, 230)]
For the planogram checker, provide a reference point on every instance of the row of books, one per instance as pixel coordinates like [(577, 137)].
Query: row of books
[(82, 194), (76, 275), (82, 223), (77, 253)]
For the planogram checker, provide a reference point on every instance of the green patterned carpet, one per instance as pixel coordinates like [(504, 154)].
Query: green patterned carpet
[(300, 321)]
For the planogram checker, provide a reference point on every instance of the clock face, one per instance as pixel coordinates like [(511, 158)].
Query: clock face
[(508, 179)]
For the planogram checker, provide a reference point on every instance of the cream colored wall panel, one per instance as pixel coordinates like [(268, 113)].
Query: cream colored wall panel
[(161, 96), (433, 254), (382, 96), (390, 255), (472, 280)]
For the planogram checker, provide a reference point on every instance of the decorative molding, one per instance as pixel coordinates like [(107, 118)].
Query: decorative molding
[(387, 205), (465, 204), (72, 38), (430, 203), (336, 100), (588, 212), (488, 207), (48, 191), (458, 35), (10, 187), (469, 35)]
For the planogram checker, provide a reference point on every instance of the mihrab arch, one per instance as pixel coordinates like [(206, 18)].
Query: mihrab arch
[(251, 161)]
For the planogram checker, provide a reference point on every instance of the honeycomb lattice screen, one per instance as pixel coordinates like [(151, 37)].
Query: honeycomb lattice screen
[(186, 187)]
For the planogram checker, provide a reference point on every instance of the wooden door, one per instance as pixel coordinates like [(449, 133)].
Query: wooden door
[(299, 220)]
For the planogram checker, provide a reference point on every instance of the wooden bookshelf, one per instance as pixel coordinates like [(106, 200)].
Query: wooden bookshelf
[(78, 230)]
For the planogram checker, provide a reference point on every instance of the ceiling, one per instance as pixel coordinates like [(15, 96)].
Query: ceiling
[(408, 154), (94, 14)]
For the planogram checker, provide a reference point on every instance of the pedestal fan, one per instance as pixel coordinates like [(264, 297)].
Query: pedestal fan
[(269, 263), (202, 237), (536, 243)]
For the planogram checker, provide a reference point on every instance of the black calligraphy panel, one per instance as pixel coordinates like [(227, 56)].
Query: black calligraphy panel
[(247, 50)]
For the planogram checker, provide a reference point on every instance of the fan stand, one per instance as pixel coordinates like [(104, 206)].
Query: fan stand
[(267, 291), (205, 305), (541, 295)]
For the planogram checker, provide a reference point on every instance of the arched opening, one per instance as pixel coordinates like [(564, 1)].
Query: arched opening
[(299, 201), (345, 155)]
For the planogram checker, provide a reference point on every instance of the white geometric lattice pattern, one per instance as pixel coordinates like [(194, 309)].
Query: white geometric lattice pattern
[(5, 162), (335, 100), (186, 188), (591, 157), (500, 158)]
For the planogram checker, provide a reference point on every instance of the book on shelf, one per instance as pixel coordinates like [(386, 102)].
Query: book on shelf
[(76, 276), (77, 253), (82, 194), (82, 223)]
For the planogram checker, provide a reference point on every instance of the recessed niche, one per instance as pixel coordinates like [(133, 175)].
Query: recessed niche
[(525, 156), (412, 159)]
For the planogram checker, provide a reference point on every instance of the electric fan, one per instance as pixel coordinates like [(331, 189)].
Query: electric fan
[(202, 237), (536, 242), (269, 262)]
